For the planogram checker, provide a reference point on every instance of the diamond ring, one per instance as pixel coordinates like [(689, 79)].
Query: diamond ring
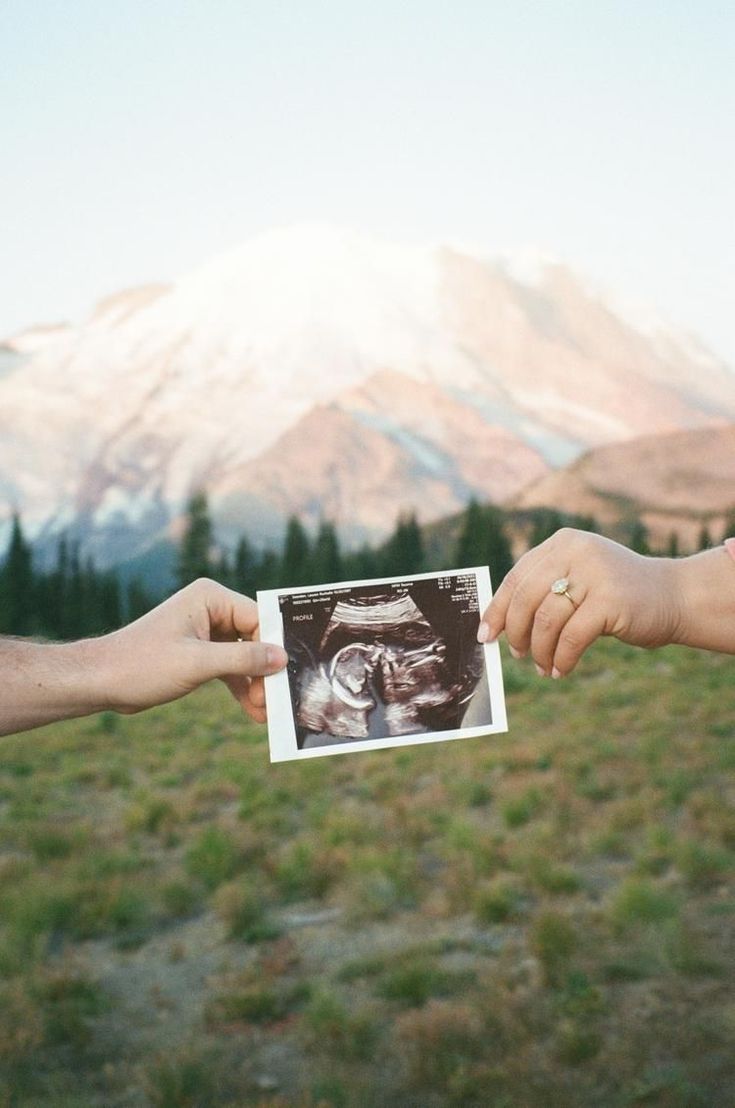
[(561, 588)]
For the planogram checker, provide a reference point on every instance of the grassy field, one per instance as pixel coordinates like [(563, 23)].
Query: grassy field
[(538, 919)]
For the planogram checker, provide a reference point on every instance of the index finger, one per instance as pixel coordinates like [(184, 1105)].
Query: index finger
[(232, 613), (494, 616)]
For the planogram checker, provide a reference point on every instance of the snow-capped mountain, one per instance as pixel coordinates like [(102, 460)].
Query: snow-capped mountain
[(325, 372)]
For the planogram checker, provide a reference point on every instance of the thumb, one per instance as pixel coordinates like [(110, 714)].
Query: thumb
[(248, 659)]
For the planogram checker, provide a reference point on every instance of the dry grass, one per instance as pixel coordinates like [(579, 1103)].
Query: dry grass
[(534, 919)]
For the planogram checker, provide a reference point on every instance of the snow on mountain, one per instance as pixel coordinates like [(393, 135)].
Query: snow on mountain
[(261, 374)]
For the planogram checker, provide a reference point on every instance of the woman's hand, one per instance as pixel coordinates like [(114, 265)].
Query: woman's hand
[(610, 591)]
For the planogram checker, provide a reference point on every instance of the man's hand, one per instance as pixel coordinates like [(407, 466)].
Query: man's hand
[(203, 631)]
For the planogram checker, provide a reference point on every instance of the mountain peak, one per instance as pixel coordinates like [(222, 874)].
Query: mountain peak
[(212, 380)]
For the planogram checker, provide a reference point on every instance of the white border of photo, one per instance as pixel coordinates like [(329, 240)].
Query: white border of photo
[(281, 723)]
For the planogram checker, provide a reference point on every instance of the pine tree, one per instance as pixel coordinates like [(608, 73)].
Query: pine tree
[(326, 559), (110, 606), (57, 593), (138, 600), (222, 570), (295, 563), (472, 542), (638, 540), (245, 568), (729, 530), (197, 541), (18, 615), (75, 616), (363, 564), (546, 521), (499, 553), (268, 574), (672, 549), (705, 538), (404, 551), (483, 541)]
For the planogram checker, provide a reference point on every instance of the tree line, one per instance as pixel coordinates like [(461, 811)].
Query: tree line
[(303, 560), (73, 598)]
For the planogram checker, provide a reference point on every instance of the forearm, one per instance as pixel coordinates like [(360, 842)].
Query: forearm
[(43, 682), (706, 587)]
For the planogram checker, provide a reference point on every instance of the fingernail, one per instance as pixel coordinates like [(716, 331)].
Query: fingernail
[(516, 653), (540, 671), (555, 673), (483, 632)]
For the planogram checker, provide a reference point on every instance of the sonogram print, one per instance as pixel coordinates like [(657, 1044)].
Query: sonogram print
[(376, 661)]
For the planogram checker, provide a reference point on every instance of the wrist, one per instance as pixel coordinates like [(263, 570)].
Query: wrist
[(111, 682), (705, 586), (44, 682)]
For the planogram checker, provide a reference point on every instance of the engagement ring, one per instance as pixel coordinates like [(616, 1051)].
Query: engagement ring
[(561, 588)]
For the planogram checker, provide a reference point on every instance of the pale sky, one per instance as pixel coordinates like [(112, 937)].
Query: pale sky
[(140, 138)]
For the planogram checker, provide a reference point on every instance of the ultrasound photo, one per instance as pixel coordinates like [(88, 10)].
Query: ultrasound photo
[(379, 664)]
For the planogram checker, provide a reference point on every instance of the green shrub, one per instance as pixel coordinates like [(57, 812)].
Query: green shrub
[(180, 898), (302, 872), (576, 1044), (703, 864), (498, 901), (331, 1027), (414, 983), (68, 1003), (213, 857), (554, 878), (554, 940), (244, 913), (520, 809), (436, 1042), (253, 1005), (182, 1080), (638, 900)]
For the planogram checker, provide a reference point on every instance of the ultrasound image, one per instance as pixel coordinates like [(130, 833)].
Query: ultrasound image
[(378, 661)]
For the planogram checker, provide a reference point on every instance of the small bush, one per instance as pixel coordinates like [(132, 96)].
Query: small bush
[(499, 901), (415, 983), (68, 1003), (554, 940), (331, 1027), (521, 809), (703, 864), (213, 857), (552, 878), (184, 1080), (48, 844), (435, 1042), (577, 1044), (640, 901), (253, 1005), (330, 1092), (180, 898), (244, 913), (21, 1025), (303, 872)]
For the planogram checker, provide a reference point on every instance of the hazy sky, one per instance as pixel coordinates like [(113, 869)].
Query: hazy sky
[(138, 138)]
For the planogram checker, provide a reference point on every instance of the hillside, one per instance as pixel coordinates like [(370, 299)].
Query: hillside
[(673, 483)]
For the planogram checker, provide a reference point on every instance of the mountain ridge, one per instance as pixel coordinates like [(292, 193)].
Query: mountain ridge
[(215, 380)]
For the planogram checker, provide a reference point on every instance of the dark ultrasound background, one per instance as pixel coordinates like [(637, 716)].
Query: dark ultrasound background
[(381, 661)]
